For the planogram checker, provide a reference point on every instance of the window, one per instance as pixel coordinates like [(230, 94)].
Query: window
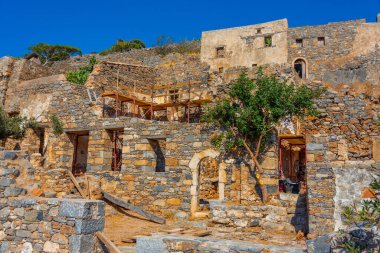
[(254, 65), (258, 31), (221, 70), (321, 41), (299, 42), (158, 146), (174, 96), (268, 41), (220, 52)]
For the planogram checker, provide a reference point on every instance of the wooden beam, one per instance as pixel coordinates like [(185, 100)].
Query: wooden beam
[(123, 203), (176, 85), (76, 184), (107, 242)]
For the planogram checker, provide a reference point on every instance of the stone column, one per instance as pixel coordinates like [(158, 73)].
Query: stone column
[(222, 180), (194, 192)]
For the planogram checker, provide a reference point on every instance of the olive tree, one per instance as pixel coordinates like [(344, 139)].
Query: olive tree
[(250, 113), (49, 53)]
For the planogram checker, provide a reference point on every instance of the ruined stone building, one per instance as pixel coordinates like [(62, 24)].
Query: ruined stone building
[(133, 129)]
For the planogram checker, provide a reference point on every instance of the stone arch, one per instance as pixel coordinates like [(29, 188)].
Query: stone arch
[(300, 66), (194, 167)]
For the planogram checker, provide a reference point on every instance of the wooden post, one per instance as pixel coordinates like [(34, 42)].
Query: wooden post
[(117, 95), (188, 104)]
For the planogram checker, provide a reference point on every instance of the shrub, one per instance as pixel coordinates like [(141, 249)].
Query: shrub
[(57, 125), (80, 75), (15, 126), (124, 46)]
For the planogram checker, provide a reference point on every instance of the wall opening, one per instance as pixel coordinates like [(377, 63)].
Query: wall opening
[(117, 149), (321, 41), (221, 70), (292, 164), (158, 146), (299, 42), (300, 68), (80, 154), (268, 41), (220, 52), (208, 182)]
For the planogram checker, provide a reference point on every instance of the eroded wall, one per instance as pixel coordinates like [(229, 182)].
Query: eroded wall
[(245, 46)]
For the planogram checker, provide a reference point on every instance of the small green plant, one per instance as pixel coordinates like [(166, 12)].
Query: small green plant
[(57, 125), (80, 75), (268, 41), (369, 210), (354, 248)]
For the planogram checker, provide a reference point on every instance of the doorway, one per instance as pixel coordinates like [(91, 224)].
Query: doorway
[(80, 154), (117, 149), (292, 164), (300, 68)]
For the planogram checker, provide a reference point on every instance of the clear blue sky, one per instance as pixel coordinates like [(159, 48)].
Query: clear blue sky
[(95, 25)]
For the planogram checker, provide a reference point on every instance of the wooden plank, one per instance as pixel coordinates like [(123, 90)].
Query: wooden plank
[(175, 85), (76, 184), (107, 242), (129, 206)]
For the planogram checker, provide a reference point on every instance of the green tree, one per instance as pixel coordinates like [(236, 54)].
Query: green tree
[(252, 110), (49, 53)]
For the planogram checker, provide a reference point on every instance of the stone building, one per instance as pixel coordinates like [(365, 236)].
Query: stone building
[(133, 129)]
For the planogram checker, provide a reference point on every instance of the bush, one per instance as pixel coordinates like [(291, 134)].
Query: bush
[(15, 126), (80, 75), (124, 46), (57, 125)]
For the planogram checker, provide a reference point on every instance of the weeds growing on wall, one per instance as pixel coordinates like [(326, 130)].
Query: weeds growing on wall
[(366, 214), (15, 126), (166, 45), (57, 125), (80, 75)]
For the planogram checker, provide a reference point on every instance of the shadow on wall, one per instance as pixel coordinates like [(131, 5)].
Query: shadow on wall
[(300, 214)]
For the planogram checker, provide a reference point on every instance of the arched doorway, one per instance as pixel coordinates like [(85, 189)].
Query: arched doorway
[(199, 165), (208, 188), (300, 67)]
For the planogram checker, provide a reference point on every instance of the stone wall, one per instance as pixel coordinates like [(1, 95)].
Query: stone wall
[(182, 244), (349, 116)]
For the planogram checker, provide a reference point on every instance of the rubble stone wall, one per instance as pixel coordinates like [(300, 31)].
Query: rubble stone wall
[(32, 224), (333, 182), (287, 214)]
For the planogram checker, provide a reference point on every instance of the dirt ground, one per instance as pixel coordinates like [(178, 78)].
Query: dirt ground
[(123, 226)]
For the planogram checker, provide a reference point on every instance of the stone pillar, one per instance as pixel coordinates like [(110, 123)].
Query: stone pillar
[(222, 180), (194, 192)]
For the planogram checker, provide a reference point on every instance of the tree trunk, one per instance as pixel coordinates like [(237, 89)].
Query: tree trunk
[(259, 172)]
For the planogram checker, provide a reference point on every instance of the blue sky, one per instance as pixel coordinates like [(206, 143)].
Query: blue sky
[(95, 25)]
